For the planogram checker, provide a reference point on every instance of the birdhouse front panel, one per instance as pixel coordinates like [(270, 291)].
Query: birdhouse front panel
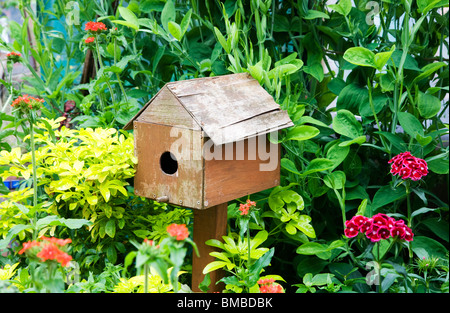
[(163, 172)]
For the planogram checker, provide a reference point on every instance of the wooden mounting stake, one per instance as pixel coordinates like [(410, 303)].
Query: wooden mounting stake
[(208, 224)]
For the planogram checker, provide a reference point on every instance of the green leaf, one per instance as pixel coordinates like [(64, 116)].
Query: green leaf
[(427, 247), (335, 180), (129, 16), (386, 195), (382, 58), (439, 166), (337, 154), (168, 14), (223, 42), (318, 165), (345, 123), (360, 56), (428, 105), (175, 30), (428, 69), (410, 124), (185, 22), (110, 228), (358, 140), (351, 97), (289, 165), (313, 14), (302, 132), (343, 7), (215, 265)]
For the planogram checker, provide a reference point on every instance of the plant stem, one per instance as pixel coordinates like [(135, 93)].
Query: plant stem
[(380, 290), (33, 163), (408, 204), (145, 278)]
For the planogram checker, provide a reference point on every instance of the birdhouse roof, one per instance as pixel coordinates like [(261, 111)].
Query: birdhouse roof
[(227, 108)]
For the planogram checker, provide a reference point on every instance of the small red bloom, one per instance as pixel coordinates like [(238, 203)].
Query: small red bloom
[(408, 234), (180, 232), (269, 286), (384, 232), (351, 229), (407, 166), (373, 235), (29, 245), (244, 209), (89, 40), (95, 27), (398, 231), (25, 103), (13, 57)]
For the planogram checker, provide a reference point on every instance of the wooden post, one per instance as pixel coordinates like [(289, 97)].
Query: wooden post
[(208, 224)]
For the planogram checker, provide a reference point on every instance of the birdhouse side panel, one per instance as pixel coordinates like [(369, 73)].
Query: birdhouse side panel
[(240, 168), (167, 165)]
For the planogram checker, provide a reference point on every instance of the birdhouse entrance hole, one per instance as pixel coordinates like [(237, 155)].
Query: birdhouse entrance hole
[(168, 163)]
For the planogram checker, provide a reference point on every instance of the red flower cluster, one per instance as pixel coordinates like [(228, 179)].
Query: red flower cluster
[(89, 40), (13, 57), (380, 226), (95, 27), (180, 232), (245, 208), (26, 102), (49, 249), (407, 166), (268, 286)]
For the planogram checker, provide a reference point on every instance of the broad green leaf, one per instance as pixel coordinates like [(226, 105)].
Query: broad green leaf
[(345, 123), (289, 165), (428, 247), (381, 58), (129, 16), (358, 140), (337, 154), (168, 14), (351, 97), (223, 42), (429, 69), (386, 195), (343, 7), (335, 180), (175, 30), (410, 124), (428, 105), (439, 166), (302, 132), (110, 228), (313, 14), (303, 223), (360, 56), (215, 265), (185, 22), (318, 165)]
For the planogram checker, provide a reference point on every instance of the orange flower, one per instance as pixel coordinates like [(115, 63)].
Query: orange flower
[(13, 57), (245, 208), (95, 27), (49, 250), (180, 232), (26, 102), (28, 245), (89, 40), (269, 286)]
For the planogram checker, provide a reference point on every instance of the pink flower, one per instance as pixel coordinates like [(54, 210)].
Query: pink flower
[(351, 229), (383, 232), (379, 227), (398, 231), (407, 166)]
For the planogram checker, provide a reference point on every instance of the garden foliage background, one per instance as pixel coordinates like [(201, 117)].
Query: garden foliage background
[(363, 81)]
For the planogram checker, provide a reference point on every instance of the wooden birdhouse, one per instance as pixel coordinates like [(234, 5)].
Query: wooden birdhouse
[(202, 142)]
